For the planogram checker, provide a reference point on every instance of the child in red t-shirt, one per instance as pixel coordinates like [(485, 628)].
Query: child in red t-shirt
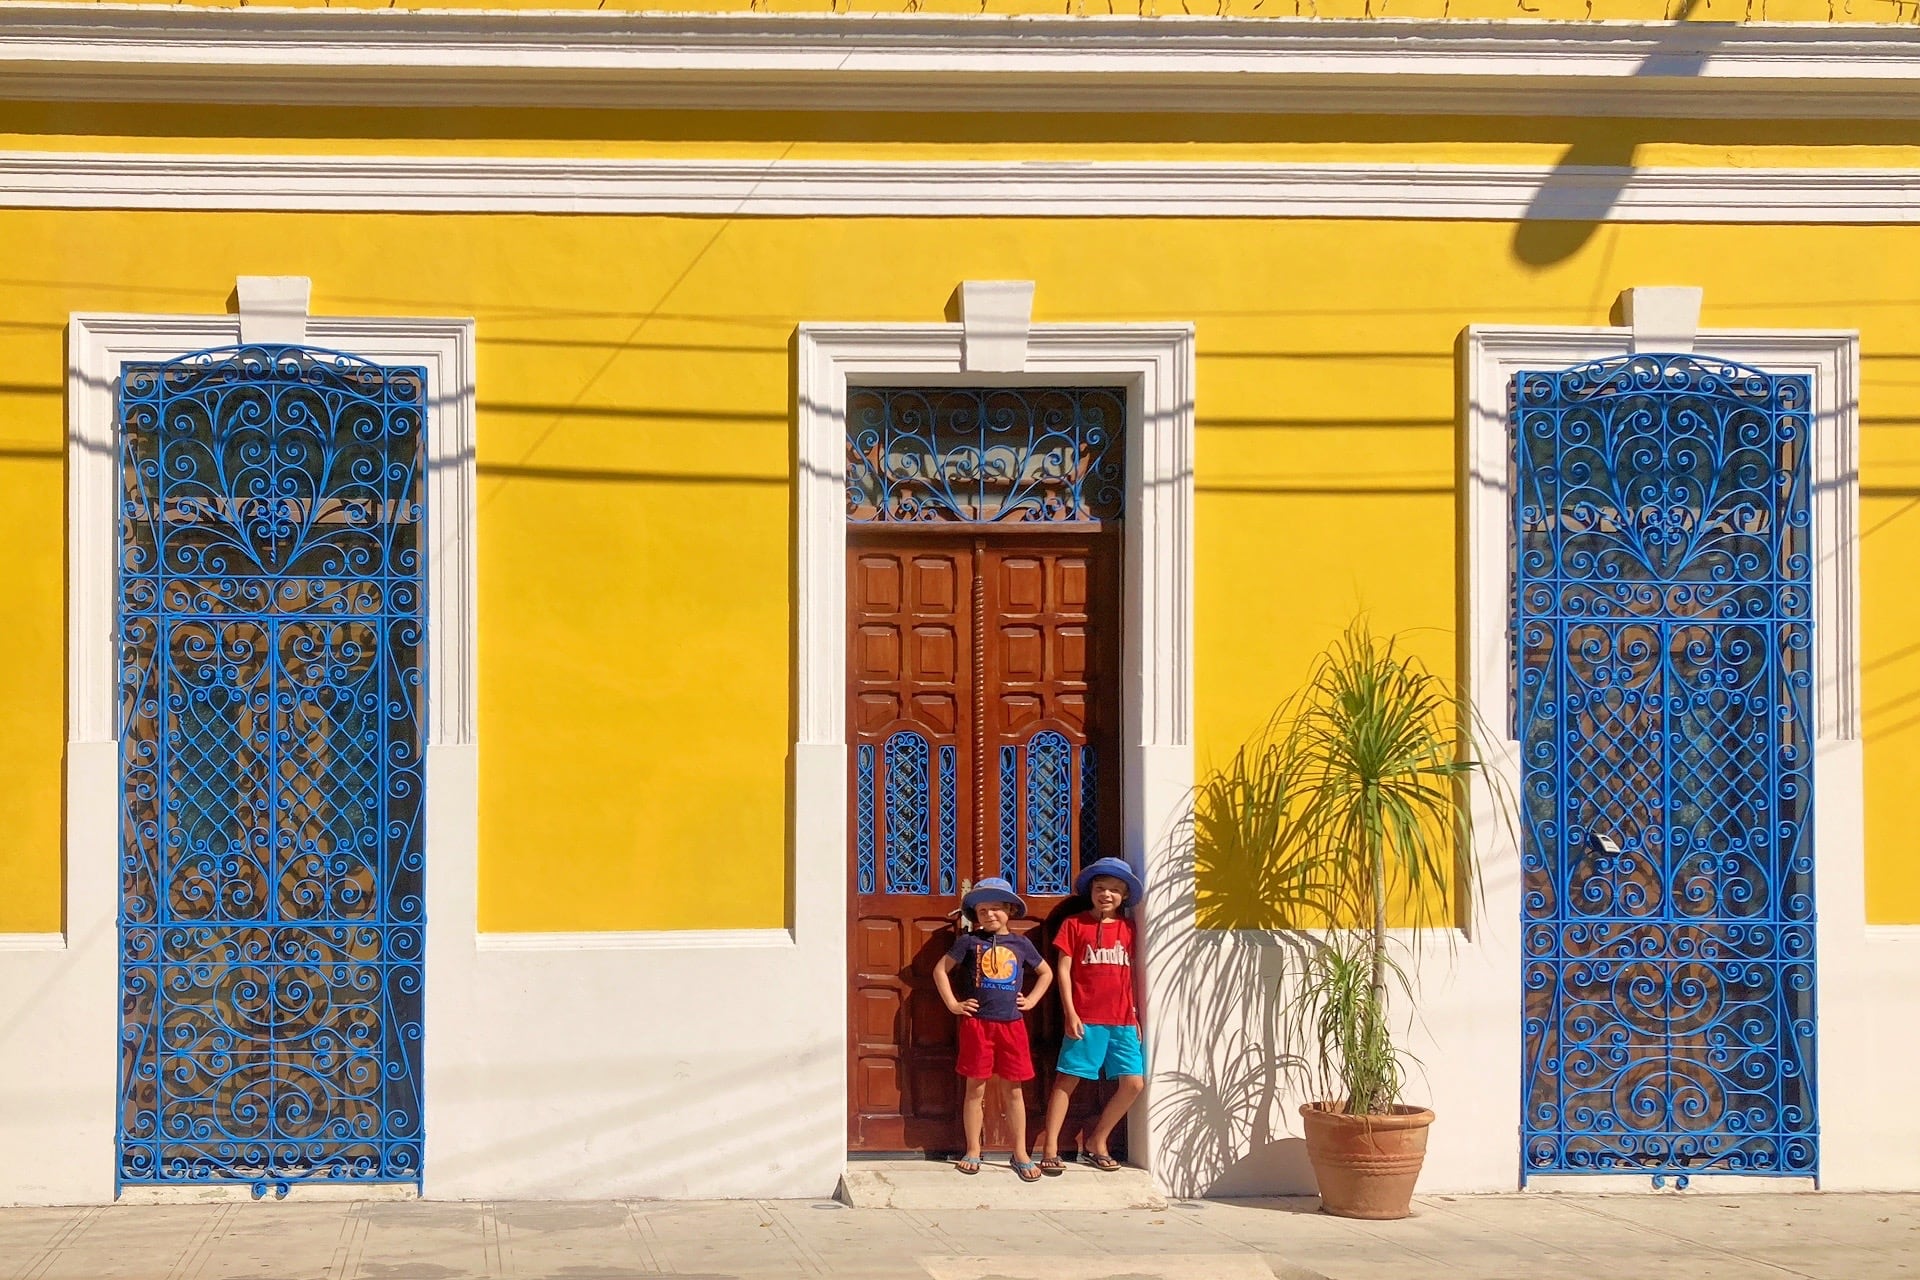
[(1096, 993), (993, 1026)]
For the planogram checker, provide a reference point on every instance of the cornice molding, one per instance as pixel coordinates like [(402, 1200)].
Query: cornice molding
[(935, 62), (104, 180)]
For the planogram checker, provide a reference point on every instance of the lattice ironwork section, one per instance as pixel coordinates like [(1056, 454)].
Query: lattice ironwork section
[(909, 841), (949, 817), (1040, 812), (1049, 813), (980, 455), (866, 836), (272, 638), (1663, 602), (896, 798), (1010, 814)]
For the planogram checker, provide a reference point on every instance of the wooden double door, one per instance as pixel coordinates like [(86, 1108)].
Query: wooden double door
[(983, 707)]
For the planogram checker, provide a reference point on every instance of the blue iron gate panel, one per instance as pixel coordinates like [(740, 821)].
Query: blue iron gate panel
[(272, 637), (1663, 599)]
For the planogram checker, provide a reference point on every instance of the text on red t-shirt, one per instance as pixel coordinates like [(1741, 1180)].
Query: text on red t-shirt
[(1102, 955)]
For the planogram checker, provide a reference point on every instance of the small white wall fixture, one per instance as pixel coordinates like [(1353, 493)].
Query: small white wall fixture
[(1155, 363), (60, 1005), (1868, 1008)]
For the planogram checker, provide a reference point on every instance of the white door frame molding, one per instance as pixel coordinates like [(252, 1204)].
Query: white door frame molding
[(1155, 362), (68, 997), (1850, 1020)]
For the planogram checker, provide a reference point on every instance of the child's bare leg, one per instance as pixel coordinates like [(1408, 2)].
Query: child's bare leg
[(1127, 1088), (1016, 1118), (1057, 1100), (972, 1115)]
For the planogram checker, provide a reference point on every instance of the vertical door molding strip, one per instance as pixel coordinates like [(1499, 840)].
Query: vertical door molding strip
[(98, 345), (1155, 363), (1493, 355)]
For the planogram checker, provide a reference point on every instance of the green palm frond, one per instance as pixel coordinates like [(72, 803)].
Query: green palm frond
[(1385, 752)]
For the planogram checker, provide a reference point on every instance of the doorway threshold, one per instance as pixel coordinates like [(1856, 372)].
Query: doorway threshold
[(932, 1185)]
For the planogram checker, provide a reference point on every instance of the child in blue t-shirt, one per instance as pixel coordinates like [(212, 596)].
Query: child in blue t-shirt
[(993, 1027)]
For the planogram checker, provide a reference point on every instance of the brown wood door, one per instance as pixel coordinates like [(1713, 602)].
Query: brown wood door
[(983, 701)]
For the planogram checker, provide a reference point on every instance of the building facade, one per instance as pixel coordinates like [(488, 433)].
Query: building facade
[(545, 547)]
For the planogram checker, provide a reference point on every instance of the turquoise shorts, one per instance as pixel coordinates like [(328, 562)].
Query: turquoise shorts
[(1104, 1053)]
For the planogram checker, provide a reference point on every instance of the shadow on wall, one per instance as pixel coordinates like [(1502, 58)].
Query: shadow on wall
[(1225, 1118), (1587, 182)]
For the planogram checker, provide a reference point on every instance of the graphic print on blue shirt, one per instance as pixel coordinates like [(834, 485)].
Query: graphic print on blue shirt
[(997, 965)]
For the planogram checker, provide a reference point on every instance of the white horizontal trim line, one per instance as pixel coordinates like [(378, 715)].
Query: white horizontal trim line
[(640, 940), (111, 180), (940, 62), (1906, 934), (33, 942)]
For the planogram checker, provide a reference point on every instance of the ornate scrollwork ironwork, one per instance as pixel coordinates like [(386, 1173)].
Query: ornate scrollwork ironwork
[(1663, 596), (272, 631), (908, 813), (979, 455), (1049, 813)]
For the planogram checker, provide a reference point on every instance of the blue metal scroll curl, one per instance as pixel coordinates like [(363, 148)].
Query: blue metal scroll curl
[(1663, 637), (272, 643), (984, 454)]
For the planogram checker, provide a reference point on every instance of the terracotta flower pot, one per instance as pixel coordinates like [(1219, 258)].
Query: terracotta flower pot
[(1366, 1165)]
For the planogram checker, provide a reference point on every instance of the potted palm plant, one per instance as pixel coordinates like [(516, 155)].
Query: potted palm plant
[(1381, 752)]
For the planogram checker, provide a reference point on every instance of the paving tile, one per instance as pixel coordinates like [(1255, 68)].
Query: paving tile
[(725, 1238), (270, 1242), (1170, 1266), (422, 1240), (128, 1241), (840, 1238), (564, 1239)]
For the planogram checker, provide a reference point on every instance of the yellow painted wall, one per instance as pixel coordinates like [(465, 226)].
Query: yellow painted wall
[(1885, 11), (635, 392)]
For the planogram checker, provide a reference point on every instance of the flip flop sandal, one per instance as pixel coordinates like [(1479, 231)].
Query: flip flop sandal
[(1029, 1172), (1051, 1166), (1105, 1164), (967, 1164)]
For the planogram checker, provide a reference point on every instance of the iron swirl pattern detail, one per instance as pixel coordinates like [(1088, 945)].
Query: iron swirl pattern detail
[(984, 454), (272, 635), (1663, 636)]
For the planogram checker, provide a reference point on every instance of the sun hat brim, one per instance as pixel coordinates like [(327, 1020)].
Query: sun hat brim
[(994, 890), (1110, 867)]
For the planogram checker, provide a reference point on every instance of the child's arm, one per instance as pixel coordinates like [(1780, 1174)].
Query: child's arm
[(1045, 980), (1075, 1028), (958, 1008)]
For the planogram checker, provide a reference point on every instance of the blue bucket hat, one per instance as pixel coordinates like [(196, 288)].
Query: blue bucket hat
[(1114, 867), (992, 889)]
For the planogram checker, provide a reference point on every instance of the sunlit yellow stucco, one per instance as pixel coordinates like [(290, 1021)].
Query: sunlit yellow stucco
[(635, 392)]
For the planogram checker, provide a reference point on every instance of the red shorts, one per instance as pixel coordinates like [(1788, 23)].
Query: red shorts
[(994, 1049)]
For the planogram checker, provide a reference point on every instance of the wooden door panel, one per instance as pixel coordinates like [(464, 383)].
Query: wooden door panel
[(1045, 665)]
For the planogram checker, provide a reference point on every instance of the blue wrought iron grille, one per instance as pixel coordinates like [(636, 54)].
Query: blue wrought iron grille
[(1010, 814), (1040, 811), (1049, 813), (895, 799), (1663, 613), (978, 455), (908, 839), (865, 777), (949, 816), (272, 919)]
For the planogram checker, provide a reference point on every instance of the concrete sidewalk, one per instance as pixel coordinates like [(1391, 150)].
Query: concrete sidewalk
[(1697, 1235)]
